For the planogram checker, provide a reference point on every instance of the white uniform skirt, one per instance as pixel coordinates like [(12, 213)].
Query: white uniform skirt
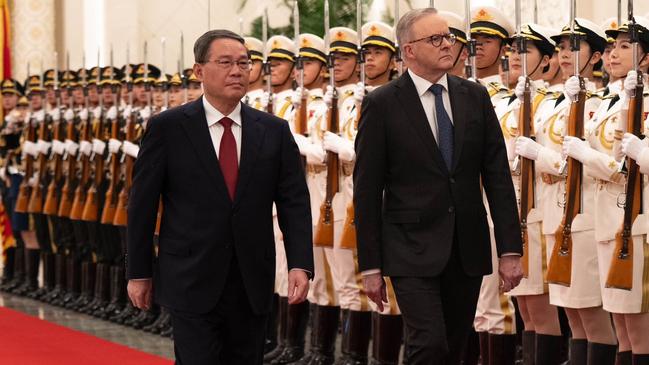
[(623, 301)]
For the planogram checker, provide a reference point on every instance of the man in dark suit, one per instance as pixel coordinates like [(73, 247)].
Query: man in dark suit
[(426, 141), (219, 166)]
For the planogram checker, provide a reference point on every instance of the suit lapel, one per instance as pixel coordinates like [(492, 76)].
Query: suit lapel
[(409, 99), (199, 135), (252, 134), (457, 93)]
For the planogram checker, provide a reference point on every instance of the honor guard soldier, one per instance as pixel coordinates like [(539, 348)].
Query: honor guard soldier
[(623, 267), (176, 94), (193, 85), (459, 51), (256, 84), (540, 48), (492, 30), (609, 24), (9, 143)]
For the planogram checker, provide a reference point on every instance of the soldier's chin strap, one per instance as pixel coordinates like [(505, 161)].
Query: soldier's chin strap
[(457, 58), (497, 57), (536, 67), (585, 63), (288, 76), (386, 70), (315, 78)]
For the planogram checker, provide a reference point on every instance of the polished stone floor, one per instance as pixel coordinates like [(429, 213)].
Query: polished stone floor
[(138, 340)]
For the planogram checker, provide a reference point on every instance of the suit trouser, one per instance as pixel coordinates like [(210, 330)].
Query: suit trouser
[(230, 334), (437, 312)]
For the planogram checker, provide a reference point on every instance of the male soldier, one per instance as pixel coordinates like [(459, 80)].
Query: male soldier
[(354, 303), (9, 141), (459, 49), (50, 94), (176, 93), (256, 86), (281, 56), (25, 223), (495, 317), (322, 295)]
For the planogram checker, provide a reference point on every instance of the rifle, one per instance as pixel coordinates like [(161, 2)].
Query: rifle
[(120, 218), (620, 275), (80, 193), (348, 237), (36, 198), (397, 54), (24, 191), (91, 206), (301, 118), (560, 265), (324, 234), (472, 43), (51, 205), (526, 165), (266, 66), (110, 201)]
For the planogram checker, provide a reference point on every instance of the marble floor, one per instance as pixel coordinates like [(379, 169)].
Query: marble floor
[(136, 339)]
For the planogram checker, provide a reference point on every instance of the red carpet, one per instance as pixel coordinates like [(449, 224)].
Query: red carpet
[(26, 340)]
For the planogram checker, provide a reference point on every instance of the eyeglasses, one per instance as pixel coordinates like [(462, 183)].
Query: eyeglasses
[(225, 64), (436, 39)]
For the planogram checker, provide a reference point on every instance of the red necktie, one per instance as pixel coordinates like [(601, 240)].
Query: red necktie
[(228, 157)]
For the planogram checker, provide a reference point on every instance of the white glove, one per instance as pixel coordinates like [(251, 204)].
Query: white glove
[(359, 92), (33, 181), (85, 147), (96, 113), (130, 149), (3, 173), (527, 148), (314, 154), (98, 146), (114, 145), (344, 148), (571, 88), (575, 148), (68, 116), (520, 88), (39, 116), (302, 143), (43, 146), (296, 98), (30, 148), (55, 114), (126, 113), (11, 118), (111, 113), (58, 147), (265, 98), (632, 146), (328, 96), (145, 113), (71, 146), (630, 83), (83, 114)]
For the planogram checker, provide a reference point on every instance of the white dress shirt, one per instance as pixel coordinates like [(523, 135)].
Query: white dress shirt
[(427, 98), (216, 129)]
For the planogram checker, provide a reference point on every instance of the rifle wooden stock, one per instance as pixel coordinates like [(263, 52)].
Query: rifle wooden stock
[(348, 238), (67, 191), (91, 208), (324, 233), (121, 214), (110, 203), (51, 205), (36, 197), (301, 122), (80, 193), (24, 190), (527, 177), (620, 274), (560, 265), (158, 220)]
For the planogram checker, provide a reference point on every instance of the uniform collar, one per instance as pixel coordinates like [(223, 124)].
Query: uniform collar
[(214, 116)]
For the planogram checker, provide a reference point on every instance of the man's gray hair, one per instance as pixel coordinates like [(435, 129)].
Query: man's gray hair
[(404, 27), (203, 43)]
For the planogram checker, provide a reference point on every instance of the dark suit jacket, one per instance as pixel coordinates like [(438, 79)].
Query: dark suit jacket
[(202, 229), (408, 205)]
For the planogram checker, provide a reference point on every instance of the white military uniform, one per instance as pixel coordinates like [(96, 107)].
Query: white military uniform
[(254, 99), (583, 291), (603, 166)]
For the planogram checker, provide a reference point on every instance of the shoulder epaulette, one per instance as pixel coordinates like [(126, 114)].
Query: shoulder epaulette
[(543, 91), (498, 86), (315, 97)]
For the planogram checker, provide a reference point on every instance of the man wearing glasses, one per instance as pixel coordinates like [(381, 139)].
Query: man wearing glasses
[(425, 143), (219, 166)]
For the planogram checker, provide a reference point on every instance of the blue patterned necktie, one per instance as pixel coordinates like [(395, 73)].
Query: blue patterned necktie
[(444, 126)]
